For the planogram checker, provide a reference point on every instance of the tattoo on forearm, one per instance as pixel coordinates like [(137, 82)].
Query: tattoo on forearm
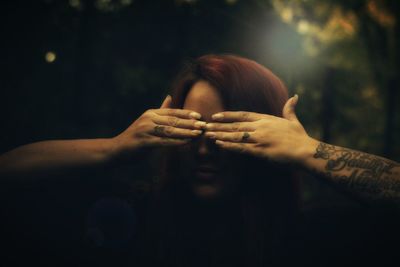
[(361, 171)]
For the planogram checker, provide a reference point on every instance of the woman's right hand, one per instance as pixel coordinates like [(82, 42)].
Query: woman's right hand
[(158, 127)]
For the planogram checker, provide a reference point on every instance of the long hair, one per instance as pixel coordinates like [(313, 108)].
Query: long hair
[(268, 193)]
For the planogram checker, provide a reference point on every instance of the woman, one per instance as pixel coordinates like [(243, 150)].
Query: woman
[(226, 195)]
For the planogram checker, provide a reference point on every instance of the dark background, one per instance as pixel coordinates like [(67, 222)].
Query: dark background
[(86, 69)]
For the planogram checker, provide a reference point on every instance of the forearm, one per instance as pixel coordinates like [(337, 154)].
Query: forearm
[(46, 157), (366, 175)]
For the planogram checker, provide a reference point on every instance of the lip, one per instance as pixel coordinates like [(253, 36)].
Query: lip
[(206, 169), (206, 172)]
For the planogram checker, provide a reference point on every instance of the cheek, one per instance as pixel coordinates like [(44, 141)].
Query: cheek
[(185, 161), (230, 164)]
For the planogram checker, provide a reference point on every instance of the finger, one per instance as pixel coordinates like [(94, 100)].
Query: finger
[(239, 137), (231, 116), (237, 147), (289, 108), (231, 127), (178, 122), (181, 113), (171, 141), (172, 132), (167, 102)]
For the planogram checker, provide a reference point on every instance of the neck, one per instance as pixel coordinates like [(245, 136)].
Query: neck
[(213, 211)]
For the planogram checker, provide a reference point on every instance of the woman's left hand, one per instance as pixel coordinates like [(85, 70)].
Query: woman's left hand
[(278, 139)]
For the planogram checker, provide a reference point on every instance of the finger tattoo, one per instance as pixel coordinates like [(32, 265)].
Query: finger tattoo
[(245, 136), (158, 129)]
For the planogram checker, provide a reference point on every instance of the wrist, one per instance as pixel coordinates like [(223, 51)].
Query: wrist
[(99, 151), (307, 151), (114, 149), (120, 150)]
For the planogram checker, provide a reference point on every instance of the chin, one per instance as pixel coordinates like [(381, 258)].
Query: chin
[(206, 192)]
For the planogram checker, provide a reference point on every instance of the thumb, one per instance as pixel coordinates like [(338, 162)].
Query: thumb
[(288, 111), (167, 102)]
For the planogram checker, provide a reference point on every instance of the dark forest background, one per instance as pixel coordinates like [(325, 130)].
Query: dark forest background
[(85, 69), (89, 68)]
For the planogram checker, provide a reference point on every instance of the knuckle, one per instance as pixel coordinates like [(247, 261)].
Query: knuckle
[(168, 131), (148, 113), (244, 115), (238, 137), (141, 126), (145, 114), (236, 126), (173, 121)]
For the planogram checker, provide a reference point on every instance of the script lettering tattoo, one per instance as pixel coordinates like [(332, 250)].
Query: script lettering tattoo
[(361, 171)]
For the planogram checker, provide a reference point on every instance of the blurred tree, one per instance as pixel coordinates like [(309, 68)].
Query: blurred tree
[(360, 38)]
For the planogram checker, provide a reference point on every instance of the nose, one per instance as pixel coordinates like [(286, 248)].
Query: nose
[(206, 146)]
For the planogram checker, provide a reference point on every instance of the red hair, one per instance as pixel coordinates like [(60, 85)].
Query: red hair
[(243, 83), (268, 192)]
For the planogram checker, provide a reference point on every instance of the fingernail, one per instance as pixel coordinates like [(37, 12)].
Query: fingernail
[(168, 96), (199, 124), (217, 116), (209, 126), (211, 135), (196, 131), (195, 115), (295, 99)]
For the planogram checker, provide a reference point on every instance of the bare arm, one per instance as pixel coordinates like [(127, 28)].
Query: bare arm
[(49, 157), (366, 175), (155, 127), (285, 140)]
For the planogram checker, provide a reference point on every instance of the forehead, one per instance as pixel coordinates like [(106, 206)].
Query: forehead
[(205, 99)]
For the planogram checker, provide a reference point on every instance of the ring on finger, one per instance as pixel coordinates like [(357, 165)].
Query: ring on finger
[(245, 136)]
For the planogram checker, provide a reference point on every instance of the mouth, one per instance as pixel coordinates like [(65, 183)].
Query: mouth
[(206, 172)]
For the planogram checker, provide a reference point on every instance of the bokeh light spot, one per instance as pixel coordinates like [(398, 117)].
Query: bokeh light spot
[(50, 57)]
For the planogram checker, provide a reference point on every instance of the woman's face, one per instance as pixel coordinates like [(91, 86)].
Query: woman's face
[(210, 172)]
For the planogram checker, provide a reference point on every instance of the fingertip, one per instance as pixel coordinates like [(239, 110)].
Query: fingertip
[(195, 115), (219, 142), (295, 99), (166, 102), (217, 116)]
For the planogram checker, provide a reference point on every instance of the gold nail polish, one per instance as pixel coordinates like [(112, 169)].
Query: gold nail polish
[(210, 135), (209, 126), (195, 115), (217, 116), (199, 124), (196, 131)]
